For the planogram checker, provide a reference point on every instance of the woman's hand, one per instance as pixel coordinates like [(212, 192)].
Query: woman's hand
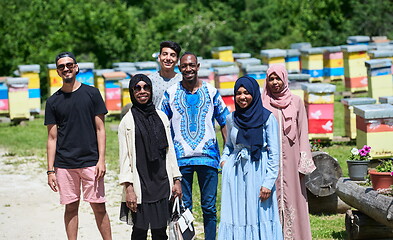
[(176, 189), (131, 198), (264, 193)]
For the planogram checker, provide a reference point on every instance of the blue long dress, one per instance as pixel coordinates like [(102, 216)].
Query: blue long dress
[(243, 215)]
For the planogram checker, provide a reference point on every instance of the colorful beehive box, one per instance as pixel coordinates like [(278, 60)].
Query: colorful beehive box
[(113, 91), (3, 96), (350, 116), (319, 102), (55, 82), (225, 77), (258, 72), (86, 74), (388, 99), (99, 81), (312, 63), (125, 93), (374, 124), (299, 46), (18, 96), (355, 73), (31, 72), (292, 61), (207, 75), (358, 40), (228, 98), (378, 54), (273, 56), (224, 53), (244, 62), (237, 56), (379, 74), (147, 67), (333, 64), (296, 80)]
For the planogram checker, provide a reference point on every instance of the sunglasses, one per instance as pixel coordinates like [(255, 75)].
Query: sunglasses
[(69, 65), (138, 88)]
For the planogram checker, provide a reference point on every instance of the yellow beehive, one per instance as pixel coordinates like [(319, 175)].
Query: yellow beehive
[(373, 124), (354, 68), (34, 79), (319, 98), (381, 143), (350, 116), (273, 60), (99, 81), (379, 76), (125, 94), (224, 53), (292, 60), (226, 85), (225, 77), (334, 63), (295, 83), (312, 63), (273, 56), (18, 96), (31, 72), (55, 82), (357, 55)]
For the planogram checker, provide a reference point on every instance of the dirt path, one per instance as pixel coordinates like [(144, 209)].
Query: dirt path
[(30, 210)]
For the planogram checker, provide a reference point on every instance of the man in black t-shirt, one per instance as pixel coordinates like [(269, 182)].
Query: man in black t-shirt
[(74, 116)]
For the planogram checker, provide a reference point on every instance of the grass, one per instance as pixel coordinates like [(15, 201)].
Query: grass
[(30, 140)]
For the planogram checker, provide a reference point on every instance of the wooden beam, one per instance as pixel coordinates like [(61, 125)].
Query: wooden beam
[(365, 199)]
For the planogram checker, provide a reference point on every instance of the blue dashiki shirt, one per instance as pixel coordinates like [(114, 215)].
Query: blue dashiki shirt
[(192, 123)]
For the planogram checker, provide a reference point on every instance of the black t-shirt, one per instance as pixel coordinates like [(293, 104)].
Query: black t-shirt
[(74, 114)]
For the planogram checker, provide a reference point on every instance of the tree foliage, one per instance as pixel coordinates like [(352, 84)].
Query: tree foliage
[(107, 31)]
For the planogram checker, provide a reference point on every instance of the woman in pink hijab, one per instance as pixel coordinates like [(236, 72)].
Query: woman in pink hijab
[(295, 160)]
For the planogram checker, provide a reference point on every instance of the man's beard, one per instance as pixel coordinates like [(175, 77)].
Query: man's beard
[(68, 80)]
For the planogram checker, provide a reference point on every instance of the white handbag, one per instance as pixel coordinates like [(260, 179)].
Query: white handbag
[(181, 226)]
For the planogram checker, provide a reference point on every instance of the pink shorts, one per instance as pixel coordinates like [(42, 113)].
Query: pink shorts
[(69, 182)]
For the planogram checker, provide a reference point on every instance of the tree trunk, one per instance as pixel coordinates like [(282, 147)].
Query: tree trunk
[(331, 204), (322, 182), (375, 205), (361, 226)]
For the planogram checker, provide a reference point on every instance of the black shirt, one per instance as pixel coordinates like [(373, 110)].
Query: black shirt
[(74, 114)]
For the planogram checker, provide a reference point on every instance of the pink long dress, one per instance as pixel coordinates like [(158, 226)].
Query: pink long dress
[(295, 161)]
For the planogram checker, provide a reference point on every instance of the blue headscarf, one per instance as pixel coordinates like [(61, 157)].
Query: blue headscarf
[(250, 120)]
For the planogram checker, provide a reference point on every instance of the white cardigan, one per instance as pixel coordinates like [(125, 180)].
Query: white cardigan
[(127, 155)]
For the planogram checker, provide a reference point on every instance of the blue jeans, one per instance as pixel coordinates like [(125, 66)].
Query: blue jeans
[(208, 180)]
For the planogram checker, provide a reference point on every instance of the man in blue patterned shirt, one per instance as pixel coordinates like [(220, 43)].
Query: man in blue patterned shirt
[(192, 105)]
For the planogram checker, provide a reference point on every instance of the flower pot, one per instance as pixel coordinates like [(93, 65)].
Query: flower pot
[(380, 179), (357, 170)]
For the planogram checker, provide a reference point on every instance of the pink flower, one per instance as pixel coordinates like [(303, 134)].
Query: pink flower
[(367, 148), (363, 152), (391, 174)]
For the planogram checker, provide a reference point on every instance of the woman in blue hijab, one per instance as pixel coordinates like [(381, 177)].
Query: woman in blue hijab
[(249, 165)]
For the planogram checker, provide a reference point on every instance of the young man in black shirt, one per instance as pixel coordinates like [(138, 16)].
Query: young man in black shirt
[(74, 116)]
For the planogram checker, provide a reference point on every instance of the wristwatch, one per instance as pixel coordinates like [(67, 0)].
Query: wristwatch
[(177, 178)]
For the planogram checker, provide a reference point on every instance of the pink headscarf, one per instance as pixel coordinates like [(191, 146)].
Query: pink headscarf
[(282, 100)]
